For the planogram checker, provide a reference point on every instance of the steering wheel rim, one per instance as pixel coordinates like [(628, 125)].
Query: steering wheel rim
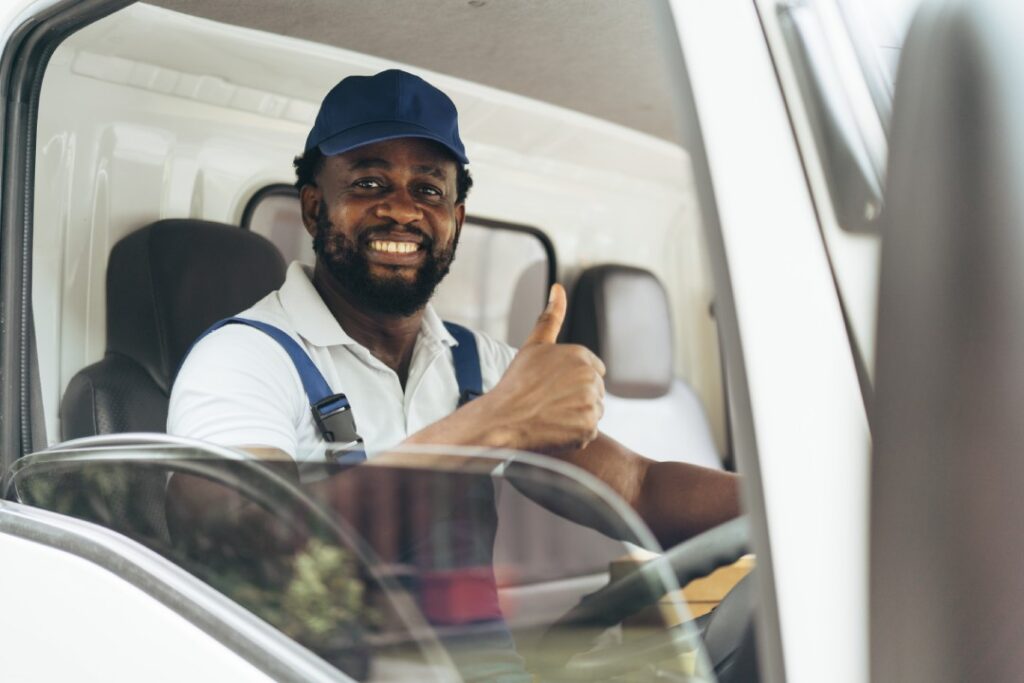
[(572, 633)]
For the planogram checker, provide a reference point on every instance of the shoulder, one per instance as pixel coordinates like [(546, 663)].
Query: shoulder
[(232, 345), (238, 359), (493, 350), (235, 343), (495, 357), (238, 387)]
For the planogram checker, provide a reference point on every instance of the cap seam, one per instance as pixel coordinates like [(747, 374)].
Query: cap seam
[(398, 88)]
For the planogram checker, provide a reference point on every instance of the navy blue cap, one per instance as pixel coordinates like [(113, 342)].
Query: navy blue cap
[(392, 104)]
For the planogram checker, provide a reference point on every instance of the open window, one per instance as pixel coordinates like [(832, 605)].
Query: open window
[(180, 111)]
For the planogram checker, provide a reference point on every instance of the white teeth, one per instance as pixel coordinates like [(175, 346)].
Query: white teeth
[(393, 247)]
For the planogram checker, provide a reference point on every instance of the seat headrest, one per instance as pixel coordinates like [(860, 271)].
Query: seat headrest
[(169, 281), (622, 315), (528, 301)]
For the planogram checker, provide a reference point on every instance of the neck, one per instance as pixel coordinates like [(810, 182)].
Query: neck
[(390, 338)]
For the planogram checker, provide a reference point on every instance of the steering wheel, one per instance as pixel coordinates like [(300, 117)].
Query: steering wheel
[(573, 633)]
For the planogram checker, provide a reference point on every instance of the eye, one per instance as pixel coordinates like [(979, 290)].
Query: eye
[(431, 191), (368, 184)]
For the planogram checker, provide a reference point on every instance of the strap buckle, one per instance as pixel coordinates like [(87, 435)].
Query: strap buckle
[(333, 417)]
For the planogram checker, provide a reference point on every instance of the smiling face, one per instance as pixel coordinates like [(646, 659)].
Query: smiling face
[(385, 222)]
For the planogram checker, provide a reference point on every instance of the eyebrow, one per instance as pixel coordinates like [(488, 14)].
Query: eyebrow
[(377, 162), (435, 171), (369, 162)]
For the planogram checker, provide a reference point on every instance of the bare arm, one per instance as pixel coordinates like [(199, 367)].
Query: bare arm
[(550, 401), (676, 500)]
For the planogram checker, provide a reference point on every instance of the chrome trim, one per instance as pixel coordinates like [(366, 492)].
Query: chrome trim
[(144, 439), (238, 630)]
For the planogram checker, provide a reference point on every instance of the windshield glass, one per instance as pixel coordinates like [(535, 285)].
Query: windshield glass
[(415, 565)]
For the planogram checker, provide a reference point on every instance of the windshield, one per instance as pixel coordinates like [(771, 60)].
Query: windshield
[(416, 565)]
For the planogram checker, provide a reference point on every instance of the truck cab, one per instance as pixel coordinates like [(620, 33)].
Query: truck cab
[(716, 184)]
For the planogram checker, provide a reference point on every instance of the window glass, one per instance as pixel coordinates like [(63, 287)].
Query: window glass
[(888, 21), (274, 214), (497, 284), (877, 30), (840, 64), (879, 27), (396, 569)]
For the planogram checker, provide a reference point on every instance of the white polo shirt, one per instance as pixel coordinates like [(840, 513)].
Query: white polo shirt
[(238, 387)]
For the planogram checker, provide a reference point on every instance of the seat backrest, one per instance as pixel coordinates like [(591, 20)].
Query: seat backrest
[(622, 314), (166, 283)]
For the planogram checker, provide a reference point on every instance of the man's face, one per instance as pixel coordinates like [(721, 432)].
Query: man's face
[(385, 223)]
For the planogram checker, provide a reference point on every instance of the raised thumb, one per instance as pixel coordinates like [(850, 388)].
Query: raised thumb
[(550, 321)]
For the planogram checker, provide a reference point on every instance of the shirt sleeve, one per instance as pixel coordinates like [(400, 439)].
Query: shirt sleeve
[(237, 387), (495, 357)]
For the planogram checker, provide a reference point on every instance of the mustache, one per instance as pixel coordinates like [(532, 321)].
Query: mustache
[(325, 233)]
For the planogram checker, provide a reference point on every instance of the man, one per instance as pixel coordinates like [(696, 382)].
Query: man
[(382, 185)]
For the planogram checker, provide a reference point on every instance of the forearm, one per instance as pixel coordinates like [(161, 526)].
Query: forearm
[(676, 500), (679, 500)]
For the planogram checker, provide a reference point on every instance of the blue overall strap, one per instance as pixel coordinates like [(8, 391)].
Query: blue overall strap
[(467, 363), (323, 402)]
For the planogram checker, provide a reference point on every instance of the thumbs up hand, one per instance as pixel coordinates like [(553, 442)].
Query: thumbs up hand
[(549, 324), (551, 397)]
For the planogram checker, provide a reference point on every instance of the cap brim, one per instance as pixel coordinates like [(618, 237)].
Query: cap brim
[(368, 133)]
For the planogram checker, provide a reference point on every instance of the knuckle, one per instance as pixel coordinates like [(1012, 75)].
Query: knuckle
[(575, 351)]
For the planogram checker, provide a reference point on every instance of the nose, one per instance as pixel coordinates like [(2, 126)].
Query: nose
[(400, 207)]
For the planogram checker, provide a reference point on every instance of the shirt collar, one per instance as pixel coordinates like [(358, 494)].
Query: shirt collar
[(309, 315), (315, 323), (433, 328)]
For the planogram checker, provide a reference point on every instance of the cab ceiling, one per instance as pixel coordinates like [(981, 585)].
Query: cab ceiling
[(601, 57)]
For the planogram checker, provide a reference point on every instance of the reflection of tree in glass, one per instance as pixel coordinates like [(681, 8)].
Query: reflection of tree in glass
[(313, 593), (320, 603), (106, 495)]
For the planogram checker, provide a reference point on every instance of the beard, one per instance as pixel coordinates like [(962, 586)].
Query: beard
[(388, 295)]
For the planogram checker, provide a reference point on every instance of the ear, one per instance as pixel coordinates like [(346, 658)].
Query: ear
[(310, 198), (460, 216)]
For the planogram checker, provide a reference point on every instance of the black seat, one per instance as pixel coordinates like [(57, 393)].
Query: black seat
[(166, 283)]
